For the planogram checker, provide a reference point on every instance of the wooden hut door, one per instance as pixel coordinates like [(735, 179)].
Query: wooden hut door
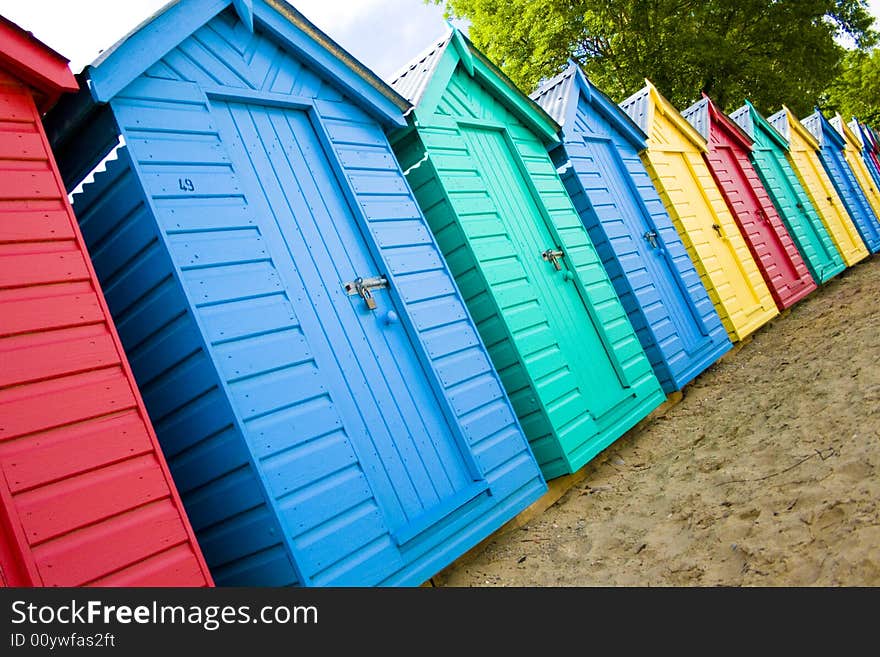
[(782, 173), (740, 190), (371, 389), (605, 162), (580, 336), (828, 198), (682, 168)]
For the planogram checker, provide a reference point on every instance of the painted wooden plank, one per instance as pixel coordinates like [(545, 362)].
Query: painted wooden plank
[(41, 268), (143, 278), (161, 90), (35, 225), (43, 405), (165, 349), (248, 357), (306, 508), (34, 357), (197, 151), (208, 249), (16, 107), (23, 185), (161, 395), (90, 497), (168, 119), (233, 282), (44, 313), (56, 455), (182, 184), (116, 543), (363, 521), (244, 534), (21, 145), (189, 215), (296, 425), (240, 319), (208, 459), (173, 567)]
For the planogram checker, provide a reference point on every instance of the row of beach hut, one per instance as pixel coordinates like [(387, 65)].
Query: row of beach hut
[(299, 326)]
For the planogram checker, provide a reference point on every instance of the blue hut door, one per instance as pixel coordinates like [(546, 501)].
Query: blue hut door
[(373, 390), (608, 165)]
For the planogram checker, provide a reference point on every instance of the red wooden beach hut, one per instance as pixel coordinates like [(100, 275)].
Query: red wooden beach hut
[(85, 494), (779, 260)]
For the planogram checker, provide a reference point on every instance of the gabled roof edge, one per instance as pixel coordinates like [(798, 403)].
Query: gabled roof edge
[(176, 21), (668, 110), (731, 125), (764, 124)]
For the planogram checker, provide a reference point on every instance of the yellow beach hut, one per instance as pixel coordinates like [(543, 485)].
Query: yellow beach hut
[(803, 153), (674, 161)]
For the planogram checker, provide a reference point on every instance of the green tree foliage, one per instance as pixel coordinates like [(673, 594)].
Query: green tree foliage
[(771, 51), (856, 91)]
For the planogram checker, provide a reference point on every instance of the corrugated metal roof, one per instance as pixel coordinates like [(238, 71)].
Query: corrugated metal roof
[(553, 94), (856, 130), (822, 130), (843, 129), (412, 80), (757, 123), (698, 116), (780, 122), (743, 118), (787, 120), (638, 107), (813, 123)]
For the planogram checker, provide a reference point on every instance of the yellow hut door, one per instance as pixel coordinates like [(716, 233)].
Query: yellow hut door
[(827, 202), (708, 230)]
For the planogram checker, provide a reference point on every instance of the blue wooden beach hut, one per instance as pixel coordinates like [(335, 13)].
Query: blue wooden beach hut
[(831, 152), (657, 282), (861, 131), (328, 410)]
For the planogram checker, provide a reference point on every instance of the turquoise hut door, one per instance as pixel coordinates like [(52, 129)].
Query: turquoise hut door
[(608, 165), (367, 384), (600, 380), (824, 249)]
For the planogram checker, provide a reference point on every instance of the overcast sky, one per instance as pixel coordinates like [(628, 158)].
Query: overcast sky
[(383, 34)]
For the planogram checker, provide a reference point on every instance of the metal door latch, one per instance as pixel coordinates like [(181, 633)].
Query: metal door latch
[(552, 256), (651, 236), (363, 288)]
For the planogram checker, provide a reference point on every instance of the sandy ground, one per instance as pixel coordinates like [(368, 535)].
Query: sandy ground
[(766, 473)]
